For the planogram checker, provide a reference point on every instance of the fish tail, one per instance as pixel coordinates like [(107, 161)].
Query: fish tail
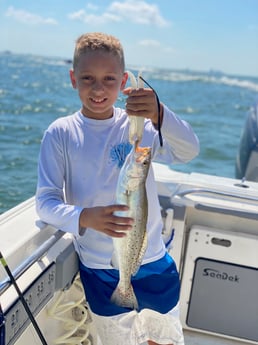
[(124, 298)]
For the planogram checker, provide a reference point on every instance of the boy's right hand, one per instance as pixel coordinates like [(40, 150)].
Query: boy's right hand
[(103, 219)]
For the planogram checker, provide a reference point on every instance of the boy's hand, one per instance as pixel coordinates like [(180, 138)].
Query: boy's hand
[(102, 219), (142, 102)]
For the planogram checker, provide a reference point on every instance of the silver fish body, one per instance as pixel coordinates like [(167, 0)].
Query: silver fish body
[(129, 250)]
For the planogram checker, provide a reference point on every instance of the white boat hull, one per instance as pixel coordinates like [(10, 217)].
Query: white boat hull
[(214, 223)]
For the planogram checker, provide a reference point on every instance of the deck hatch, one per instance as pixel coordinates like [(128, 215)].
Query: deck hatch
[(219, 283), (224, 295)]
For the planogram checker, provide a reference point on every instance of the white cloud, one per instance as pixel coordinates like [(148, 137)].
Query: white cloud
[(91, 6), (139, 12), (154, 46), (81, 15), (134, 11), (149, 43), (28, 17)]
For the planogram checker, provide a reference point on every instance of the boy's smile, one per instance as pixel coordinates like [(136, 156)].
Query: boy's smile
[(99, 78)]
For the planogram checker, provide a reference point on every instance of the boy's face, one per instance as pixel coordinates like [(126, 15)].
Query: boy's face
[(99, 78)]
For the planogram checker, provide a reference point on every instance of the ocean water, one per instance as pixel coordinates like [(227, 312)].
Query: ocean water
[(36, 90)]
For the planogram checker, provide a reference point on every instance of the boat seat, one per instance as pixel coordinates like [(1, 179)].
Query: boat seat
[(247, 156), (251, 173)]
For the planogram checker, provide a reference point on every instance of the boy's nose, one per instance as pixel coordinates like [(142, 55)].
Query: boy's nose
[(98, 86)]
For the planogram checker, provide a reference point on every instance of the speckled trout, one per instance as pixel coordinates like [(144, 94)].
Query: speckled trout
[(129, 250)]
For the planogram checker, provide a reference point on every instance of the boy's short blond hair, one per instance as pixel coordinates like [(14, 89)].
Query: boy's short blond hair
[(98, 41)]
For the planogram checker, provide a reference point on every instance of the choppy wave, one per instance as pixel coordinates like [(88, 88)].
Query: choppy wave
[(35, 90), (213, 77)]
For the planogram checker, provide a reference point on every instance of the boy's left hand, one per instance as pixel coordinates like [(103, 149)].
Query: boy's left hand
[(142, 102)]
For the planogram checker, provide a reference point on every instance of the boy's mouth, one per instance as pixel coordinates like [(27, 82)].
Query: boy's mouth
[(98, 100)]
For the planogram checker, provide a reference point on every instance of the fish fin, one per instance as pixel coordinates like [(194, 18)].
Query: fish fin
[(138, 261), (126, 299), (114, 261)]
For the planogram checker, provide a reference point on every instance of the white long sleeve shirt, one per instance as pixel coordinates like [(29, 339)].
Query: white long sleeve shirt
[(79, 163)]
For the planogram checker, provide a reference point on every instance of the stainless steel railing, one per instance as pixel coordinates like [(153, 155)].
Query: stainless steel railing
[(36, 256)]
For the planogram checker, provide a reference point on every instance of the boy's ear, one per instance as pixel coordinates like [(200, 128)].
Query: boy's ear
[(124, 80), (72, 78)]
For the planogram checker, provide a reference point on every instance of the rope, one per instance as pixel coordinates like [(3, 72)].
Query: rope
[(73, 315)]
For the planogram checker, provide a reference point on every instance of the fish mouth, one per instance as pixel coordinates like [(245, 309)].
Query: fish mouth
[(142, 154), (142, 150)]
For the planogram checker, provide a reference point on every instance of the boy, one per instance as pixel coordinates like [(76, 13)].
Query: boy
[(80, 159)]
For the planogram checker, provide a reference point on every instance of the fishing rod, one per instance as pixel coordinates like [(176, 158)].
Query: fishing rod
[(21, 297), (2, 328)]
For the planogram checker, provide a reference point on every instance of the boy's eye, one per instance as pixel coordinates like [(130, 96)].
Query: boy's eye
[(108, 78), (87, 77)]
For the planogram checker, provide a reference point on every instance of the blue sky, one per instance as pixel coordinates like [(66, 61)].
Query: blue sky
[(195, 34)]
